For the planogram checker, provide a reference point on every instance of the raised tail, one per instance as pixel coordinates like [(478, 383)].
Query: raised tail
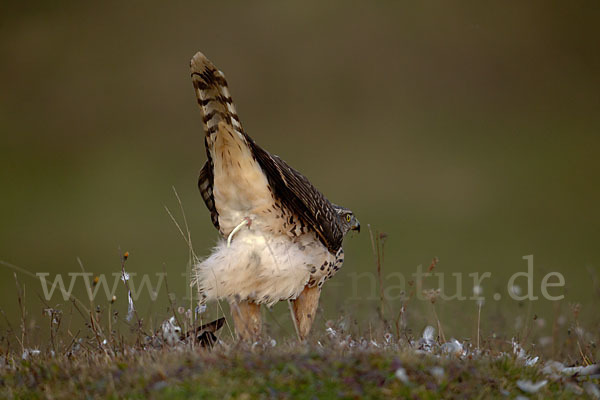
[(213, 96)]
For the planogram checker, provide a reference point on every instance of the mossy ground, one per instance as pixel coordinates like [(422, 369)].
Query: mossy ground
[(323, 371)]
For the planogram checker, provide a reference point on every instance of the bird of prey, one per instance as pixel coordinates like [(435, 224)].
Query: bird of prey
[(281, 238)]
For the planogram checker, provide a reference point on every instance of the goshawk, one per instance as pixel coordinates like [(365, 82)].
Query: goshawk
[(281, 237)]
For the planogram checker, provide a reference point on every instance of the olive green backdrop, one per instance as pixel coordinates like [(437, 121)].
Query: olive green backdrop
[(464, 130)]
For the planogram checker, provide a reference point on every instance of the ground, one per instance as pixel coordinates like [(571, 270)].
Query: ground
[(89, 351), (332, 367)]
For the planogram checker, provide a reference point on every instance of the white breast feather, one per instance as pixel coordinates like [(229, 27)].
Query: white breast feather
[(260, 267)]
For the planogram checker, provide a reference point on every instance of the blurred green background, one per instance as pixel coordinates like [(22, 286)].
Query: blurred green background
[(465, 130)]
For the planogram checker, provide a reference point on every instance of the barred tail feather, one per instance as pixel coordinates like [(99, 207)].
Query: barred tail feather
[(213, 96)]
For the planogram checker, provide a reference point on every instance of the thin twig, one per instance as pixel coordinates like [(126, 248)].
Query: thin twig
[(478, 323), (180, 231), (192, 259), (124, 257), (377, 259), (52, 315), (10, 329), (439, 324), (74, 338), (172, 304), (21, 299), (296, 328)]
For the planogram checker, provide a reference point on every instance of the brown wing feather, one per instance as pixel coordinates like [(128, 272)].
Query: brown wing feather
[(296, 192), (205, 185)]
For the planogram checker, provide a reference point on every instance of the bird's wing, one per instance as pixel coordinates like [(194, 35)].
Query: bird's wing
[(205, 185), (296, 193), (289, 186)]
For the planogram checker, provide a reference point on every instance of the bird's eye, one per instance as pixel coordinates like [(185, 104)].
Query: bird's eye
[(348, 218)]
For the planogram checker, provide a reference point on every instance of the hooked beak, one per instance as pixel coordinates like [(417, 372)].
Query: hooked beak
[(356, 227)]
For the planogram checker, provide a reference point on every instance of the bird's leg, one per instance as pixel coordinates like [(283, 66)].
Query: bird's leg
[(305, 309), (247, 320)]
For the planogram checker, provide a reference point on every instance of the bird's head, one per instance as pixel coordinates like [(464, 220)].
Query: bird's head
[(347, 218)]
